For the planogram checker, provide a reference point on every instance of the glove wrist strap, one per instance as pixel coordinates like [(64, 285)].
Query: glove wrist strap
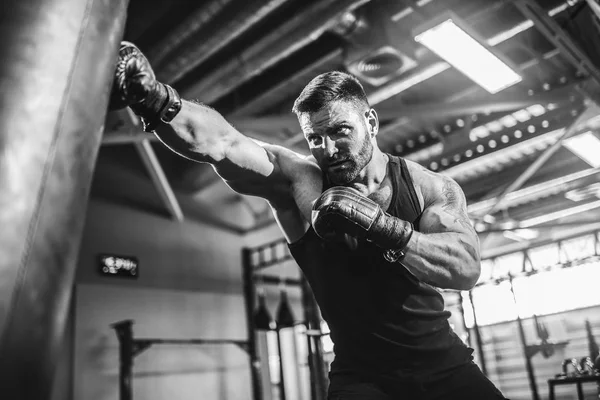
[(393, 255), (172, 106), (392, 235), (161, 107)]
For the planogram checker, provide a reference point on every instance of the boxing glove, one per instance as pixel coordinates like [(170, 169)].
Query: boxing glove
[(135, 85), (342, 210)]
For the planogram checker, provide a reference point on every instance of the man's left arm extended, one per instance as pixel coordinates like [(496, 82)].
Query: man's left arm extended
[(445, 252)]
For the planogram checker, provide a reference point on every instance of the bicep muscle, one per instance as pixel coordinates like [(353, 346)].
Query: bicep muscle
[(448, 212)]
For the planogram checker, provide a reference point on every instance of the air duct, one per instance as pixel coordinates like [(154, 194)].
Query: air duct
[(185, 31), (304, 28), (200, 44)]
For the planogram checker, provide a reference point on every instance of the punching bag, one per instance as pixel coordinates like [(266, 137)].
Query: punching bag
[(56, 70)]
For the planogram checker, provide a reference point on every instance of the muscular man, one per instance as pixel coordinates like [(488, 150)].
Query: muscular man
[(374, 234)]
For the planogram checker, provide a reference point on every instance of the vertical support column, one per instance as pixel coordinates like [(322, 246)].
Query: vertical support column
[(281, 371), (58, 59), (478, 339), (528, 364), (461, 309), (124, 330), (315, 348), (249, 295)]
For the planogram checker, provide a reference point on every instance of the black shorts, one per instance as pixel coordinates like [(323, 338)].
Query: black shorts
[(466, 382)]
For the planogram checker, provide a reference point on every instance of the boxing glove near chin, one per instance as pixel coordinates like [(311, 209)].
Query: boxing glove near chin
[(135, 85), (342, 210)]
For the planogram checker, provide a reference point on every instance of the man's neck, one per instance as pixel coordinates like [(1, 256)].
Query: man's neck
[(373, 174)]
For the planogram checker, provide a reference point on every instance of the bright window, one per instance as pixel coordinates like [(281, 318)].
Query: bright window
[(553, 289)]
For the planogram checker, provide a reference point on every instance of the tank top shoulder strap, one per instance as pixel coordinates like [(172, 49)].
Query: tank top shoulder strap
[(406, 194)]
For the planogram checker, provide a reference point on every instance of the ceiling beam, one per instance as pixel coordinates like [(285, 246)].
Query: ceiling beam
[(274, 130), (277, 92), (116, 184), (499, 228), (302, 29), (501, 103), (144, 149), (198, 45), (152, 164), (126, 136), (561, 40), (576, 127), (561, 180), (560, 234)]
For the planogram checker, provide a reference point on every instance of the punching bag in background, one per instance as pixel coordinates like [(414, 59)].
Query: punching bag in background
[(56, 71)]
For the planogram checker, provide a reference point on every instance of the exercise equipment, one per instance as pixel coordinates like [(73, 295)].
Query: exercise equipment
[(255, 260), (564, 259), (58, 60), (263, 321), (593, 348), (578, 372), (574, 380), (529, 350), (284, 319), (130, 347), (478, 338)]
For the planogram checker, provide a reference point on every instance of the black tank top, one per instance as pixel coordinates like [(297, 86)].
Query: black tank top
[(382, 319)]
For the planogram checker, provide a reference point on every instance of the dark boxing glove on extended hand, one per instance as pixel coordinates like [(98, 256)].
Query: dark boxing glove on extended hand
[(342, 210), (135, 85)]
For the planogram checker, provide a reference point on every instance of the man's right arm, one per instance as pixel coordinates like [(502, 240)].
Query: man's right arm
[(201, 134)]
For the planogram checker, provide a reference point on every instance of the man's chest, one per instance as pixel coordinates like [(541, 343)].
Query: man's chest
[(305, 195), (383, 195)]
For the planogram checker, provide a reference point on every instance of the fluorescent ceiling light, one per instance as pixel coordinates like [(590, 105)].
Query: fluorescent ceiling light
[(469, 56), (493, 41), (585, 146), (559, 214)]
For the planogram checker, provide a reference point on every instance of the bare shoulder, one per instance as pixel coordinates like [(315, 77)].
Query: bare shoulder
[(268, 171), (429, 185), (445, 204), (435, 187), (304, 176), (294, 165)]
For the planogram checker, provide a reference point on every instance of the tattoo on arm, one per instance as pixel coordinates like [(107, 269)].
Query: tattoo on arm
[(470, 249), (454, 205)]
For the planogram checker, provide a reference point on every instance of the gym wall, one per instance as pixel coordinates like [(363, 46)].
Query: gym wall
[(189, 287)]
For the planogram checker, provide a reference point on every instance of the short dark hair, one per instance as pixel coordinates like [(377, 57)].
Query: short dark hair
[(329, 87)]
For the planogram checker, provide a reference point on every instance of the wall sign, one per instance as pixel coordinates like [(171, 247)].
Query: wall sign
[(114, 265)]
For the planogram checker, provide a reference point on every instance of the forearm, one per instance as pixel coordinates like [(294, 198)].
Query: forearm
[(198, 132), (445, 260)]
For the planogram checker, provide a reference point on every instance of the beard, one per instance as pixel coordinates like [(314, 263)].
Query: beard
[(354, 164)]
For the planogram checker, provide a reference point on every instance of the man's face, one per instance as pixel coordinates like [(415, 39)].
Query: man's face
[(340, 139)]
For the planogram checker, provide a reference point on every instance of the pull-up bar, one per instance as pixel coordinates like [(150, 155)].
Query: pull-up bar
[(275, 280), (130, 347)]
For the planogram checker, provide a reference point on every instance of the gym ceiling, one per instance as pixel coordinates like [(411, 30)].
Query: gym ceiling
[(249, 59)]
